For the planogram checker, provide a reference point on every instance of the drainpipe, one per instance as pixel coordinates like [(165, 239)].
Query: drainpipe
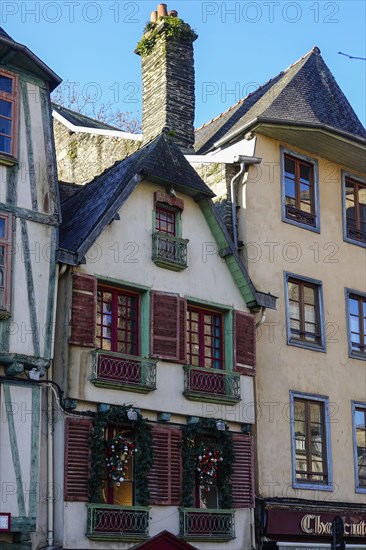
[(50, 480), (233, 203), (262, 319)]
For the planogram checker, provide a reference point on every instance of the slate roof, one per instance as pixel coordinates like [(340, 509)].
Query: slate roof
[(23, 57), (86, 213), (5, 34), (78, 119), (306, 93)]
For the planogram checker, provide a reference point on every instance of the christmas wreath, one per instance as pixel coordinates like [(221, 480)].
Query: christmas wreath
[(207, 464), (118, 450)]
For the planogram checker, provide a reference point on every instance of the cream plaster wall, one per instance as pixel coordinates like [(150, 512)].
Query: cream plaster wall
[(21, 330), (123, 252), (281, 367), (161, 518)]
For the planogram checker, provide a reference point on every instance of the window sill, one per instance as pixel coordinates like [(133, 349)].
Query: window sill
[(303, 345), (360, 356), (313, 486), (313, 228), (204, 524), (360, 490), (360, 243), (117, 523), (123, 372), (8, 160)]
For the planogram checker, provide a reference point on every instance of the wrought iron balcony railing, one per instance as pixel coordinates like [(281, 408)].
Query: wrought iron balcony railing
[(204, 384), (169, 251), (207, 524), (109, 522), (127, 372)]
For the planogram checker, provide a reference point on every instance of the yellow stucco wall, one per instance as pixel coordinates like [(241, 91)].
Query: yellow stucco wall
[(275, 247)]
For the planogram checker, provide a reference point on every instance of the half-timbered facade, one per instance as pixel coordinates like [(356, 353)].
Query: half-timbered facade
[(28, 240)]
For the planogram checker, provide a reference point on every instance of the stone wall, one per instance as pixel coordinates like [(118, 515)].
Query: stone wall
[(168, 91), (218, 177), (81, 157)]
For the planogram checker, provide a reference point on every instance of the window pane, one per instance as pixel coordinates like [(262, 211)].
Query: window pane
[(309, 295), (290, 191), (289, 167), (5, 126), (2, 228), (5, 144), (353, 306), (6, 84), (293, 291), (309, 314), (6, 108)]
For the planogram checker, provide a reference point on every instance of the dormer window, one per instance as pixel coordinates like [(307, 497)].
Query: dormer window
[(169, 249), (8, 113)]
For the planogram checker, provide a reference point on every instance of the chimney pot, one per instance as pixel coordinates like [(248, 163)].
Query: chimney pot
[(173, 13), (154, 16), (162, 10)]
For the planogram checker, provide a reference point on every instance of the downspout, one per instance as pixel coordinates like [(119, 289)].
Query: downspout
[(50, 490), (262, 319), (233, 203)]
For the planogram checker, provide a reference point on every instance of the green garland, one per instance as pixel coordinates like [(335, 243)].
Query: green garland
[(117, 416), (191, 445), (175, 29)]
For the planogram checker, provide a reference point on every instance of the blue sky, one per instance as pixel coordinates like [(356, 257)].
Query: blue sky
[(241, 44)]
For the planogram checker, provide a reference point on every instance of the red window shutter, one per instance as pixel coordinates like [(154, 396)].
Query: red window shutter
[(242, 478), (168, 327), (165, 475), (83, 310), (77, 433), (244, 342)]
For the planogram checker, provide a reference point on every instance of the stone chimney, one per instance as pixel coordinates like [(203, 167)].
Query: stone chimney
[(166, 51)]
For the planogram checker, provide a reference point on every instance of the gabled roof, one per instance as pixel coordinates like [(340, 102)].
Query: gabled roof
[(21, 56), (305, 94), (86, 213), (164, 541)]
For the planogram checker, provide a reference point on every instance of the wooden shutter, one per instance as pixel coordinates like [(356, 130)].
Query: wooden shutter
[(165, 475), (242, 478), (168, 327), (77, 433), (244, 342), (83, 310)]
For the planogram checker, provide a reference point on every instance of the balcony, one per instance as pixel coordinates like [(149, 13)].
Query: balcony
[(117, 523), (169, 252), (207, 524), (118, 371), (213, 385)]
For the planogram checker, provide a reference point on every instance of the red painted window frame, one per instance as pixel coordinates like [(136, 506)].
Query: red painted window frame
[(309, 472), (297, 210), (161, 211), (357, 185), (13, 99), (116, 292), (361, 348), (6, 242), (201, 351)]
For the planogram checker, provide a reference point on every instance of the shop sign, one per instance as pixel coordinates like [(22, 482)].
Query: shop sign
[(285, 522)]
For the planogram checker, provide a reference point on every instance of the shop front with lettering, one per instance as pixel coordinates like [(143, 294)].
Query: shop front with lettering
[(301, 527)]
